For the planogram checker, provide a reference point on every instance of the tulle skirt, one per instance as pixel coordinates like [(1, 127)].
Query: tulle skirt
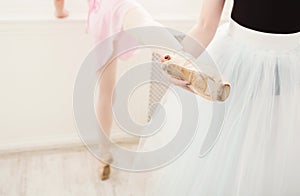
[(258, 150)]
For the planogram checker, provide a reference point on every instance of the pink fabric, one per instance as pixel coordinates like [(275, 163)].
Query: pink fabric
[(105, 17)]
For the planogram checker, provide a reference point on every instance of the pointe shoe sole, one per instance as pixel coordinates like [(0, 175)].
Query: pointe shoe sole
[(199, 82), (104, 172)]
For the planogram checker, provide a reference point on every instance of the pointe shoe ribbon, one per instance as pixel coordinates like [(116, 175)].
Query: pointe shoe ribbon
[(207, 86)]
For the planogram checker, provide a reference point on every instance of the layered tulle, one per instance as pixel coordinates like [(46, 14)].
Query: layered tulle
[(257, 152)]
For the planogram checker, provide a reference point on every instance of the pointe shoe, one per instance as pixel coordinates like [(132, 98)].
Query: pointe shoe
[(206, 86), (104, 172), (104, 167)]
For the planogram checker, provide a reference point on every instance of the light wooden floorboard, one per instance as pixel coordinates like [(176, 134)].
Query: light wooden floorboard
[(68, 172)]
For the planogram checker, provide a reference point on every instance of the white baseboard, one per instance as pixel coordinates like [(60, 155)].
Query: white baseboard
[(39, 143), (53, 142)]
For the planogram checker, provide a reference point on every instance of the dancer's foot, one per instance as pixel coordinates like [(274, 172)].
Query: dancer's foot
[(104, 167), (204, 85), (104, 171)]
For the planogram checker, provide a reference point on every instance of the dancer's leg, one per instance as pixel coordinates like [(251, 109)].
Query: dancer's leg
[(139, 17), (105, 89), (105, 94)]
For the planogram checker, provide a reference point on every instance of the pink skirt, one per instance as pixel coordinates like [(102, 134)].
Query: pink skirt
[(106, 17)]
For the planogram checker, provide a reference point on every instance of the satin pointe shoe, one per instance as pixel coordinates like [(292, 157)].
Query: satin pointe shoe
[(208, 87), (104, 169)]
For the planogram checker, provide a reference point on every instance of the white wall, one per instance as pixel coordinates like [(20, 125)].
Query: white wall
[(39, 60)]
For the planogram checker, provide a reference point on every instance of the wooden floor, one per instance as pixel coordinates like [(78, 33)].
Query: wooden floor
[(57, 172)]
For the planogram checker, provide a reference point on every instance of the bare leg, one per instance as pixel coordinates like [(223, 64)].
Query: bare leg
[(108, 76), (60, 11), (104, 114), (139, 17), (105, 94)]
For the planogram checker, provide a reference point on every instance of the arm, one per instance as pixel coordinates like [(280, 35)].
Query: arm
[(206, 27)]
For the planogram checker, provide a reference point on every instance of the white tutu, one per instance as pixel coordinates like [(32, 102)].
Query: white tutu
[(258, 151)]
